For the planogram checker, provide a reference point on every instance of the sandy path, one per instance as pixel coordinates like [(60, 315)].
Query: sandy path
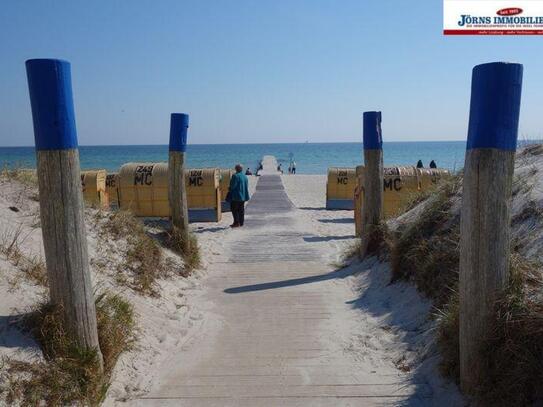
[(277, 326)]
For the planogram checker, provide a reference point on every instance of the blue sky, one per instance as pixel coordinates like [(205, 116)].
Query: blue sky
[(255, 71)]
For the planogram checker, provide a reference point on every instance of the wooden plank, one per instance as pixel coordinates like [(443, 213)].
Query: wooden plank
[(484, 248), (61, 198), (486, 208), (372, 207), (177, 193), (65, 242), (279, 331)]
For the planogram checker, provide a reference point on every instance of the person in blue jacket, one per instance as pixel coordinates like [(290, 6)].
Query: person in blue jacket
[(238, 194)]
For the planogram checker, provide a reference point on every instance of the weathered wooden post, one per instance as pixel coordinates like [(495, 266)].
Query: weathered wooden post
[(177, 193), (486, 204), (61, 198), (372, 206)]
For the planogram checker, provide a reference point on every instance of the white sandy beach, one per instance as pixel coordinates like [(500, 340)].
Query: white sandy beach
[(389, 329)]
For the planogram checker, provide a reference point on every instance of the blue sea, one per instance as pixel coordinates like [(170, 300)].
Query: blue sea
[(311, 158)]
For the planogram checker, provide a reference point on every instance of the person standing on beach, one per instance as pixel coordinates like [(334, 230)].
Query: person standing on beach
[(238, 194), (293, 171)]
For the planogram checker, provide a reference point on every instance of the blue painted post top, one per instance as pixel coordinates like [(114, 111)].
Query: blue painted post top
[(495, 106), (179, 123), (50, 87), (372, 135)]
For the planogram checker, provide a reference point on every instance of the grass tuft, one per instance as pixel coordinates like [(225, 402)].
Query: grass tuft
[(192, 259), (426, 251), (513, 352), (143, 262), (25, 176), (352, 251), (378, 243), (31, 267), (189, 251), (448, 339), (416, 197), (378, 240), (69, 375), (116, 323)]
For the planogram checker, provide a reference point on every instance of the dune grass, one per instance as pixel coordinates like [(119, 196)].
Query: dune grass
[(31, 267), (352, 251), (512, 353), (69, 375), (25, 176), (377, 241), (190, 251), (143, 263), (426, 252)]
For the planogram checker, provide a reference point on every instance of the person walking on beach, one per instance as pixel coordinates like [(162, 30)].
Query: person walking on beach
[(238, 194)]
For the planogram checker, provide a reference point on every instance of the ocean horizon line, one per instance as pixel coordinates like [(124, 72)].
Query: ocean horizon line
[(311, 158), (259, 144)]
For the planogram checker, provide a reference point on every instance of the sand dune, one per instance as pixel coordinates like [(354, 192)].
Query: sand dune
[(382, 329)]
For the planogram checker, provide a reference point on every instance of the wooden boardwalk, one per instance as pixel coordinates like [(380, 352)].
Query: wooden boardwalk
[(280, 325)]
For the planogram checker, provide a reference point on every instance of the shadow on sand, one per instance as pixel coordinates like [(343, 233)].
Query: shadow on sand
[(337, 220), (316, 239), (212, 229), (312, 208), (400, 310), (341, 273), (12, 335)]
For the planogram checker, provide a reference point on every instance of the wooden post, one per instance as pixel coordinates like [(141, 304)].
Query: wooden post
[(372, 206), (486, 206), (61, 198), (177, 193)]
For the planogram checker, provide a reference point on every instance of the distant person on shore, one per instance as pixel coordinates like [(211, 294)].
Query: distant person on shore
[(248, 172), (433, 164), (238, 194), (279, 169), (293, 170), (420, 165)]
